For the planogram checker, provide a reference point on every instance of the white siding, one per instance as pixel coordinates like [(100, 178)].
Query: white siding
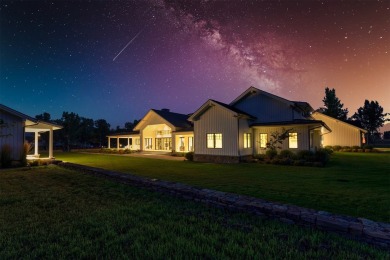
[(342, 133), (303, 137), (216, 120), (267, 109), (12, 133)]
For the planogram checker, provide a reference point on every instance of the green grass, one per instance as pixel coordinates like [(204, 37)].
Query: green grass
[(355, 184), (51, 212)]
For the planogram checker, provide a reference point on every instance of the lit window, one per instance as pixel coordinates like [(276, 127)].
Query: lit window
[(214, 140), (263, 140), (181, 146), (293, 140), (247, 140), (148, 143), (218, 140), (191, 144), (311, 139)]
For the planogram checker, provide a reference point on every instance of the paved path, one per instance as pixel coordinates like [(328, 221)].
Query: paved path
[(146, 155)]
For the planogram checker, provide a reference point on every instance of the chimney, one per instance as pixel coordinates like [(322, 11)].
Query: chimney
[(165, 109)]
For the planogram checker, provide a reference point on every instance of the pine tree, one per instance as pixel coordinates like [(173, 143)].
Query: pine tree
[(333, 106), (371, 117)]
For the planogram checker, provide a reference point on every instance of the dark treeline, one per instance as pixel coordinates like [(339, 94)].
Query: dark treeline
[(81, 132)]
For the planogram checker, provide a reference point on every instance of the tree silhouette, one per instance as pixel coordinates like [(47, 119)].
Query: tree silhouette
[(333, 106), (371, 117), (103, 129)]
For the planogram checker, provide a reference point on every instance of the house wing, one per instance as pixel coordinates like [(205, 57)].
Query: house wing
[(318, 115)]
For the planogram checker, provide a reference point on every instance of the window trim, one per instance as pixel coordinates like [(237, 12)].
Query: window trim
[(291, 135), (247, 140), (214, 140), (266, 140)]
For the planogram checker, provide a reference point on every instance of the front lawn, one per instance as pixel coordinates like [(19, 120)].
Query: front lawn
[(356, 184), (51, 212)]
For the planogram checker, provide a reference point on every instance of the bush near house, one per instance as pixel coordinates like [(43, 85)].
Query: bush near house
[(5, 156), (318, 158), (189, 156), (355, 148)]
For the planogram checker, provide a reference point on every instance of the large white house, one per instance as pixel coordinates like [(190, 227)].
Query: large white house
[(233, 132), (158, 131)]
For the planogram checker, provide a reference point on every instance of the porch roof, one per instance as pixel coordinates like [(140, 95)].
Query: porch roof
[(31, 124), (293, 122), (41, 126)]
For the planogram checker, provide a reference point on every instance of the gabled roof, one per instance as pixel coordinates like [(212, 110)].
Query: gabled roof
[(24, 117), (31, 123), (210, 103), (304, 106), (174, 120), (338, 120)]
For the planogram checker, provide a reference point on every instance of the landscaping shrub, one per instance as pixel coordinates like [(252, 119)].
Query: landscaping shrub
[(271, 153), (355, 147), (305, 155), (328, 150), (260, 157), (336, 148), (368, 147), (23, 156), (189, 156), (286, 154), (5, 156), (322, 155), (329, 147), (286, 161)]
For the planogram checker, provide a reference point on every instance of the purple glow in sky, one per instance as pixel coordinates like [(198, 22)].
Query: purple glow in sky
[(117, 59)]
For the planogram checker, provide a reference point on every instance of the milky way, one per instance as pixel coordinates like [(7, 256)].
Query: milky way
[(64, 56)]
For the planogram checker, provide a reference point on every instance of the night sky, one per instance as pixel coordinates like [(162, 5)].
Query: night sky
[(117, 59)]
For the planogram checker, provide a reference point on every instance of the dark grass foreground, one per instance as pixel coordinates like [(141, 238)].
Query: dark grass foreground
[(355, 184), (50, 212)]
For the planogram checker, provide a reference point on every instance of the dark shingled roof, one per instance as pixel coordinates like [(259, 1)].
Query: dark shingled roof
[(238, 111), (176, 119), (124, 133)]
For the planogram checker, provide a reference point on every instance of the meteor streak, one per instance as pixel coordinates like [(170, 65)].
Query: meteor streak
[(135, 37)]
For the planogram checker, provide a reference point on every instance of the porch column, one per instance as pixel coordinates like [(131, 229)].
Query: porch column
[(36, 143), (51, 144), (109, 141), (128, 143), (117, 143)]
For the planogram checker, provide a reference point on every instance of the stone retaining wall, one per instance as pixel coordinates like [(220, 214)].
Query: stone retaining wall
[(361, 229)]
